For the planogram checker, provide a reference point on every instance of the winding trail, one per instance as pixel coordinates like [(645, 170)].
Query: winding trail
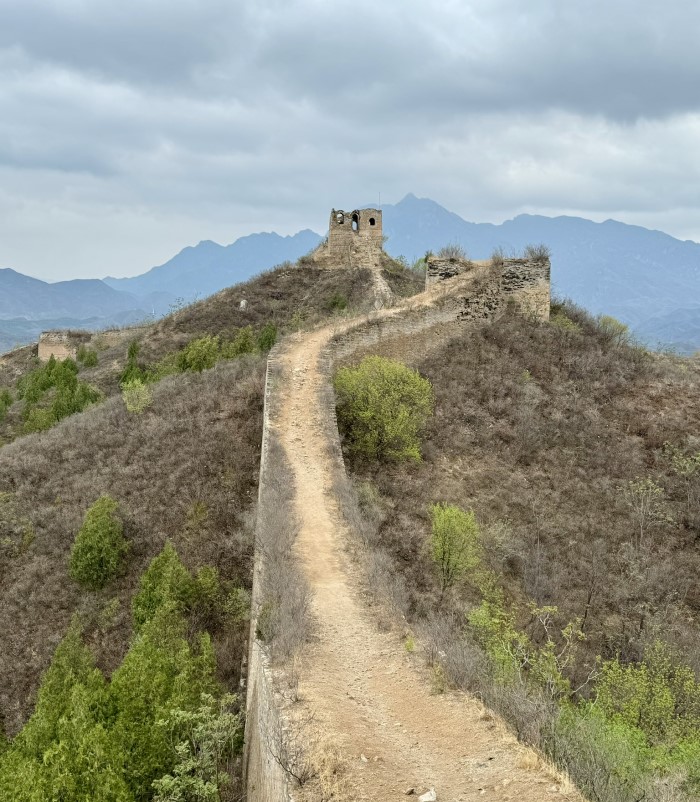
[(367, 696)]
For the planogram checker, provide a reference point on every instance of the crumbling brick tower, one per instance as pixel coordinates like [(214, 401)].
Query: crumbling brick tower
[(355, 238)]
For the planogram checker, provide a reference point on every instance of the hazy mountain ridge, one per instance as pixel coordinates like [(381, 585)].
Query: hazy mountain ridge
[(646, 278)]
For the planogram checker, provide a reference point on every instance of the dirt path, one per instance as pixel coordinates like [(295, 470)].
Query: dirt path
[(367, 698)]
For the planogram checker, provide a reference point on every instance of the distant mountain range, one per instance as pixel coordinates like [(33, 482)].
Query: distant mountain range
[(646, 278)]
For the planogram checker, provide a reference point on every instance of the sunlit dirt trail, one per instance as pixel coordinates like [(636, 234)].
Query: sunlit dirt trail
[(362, 690)]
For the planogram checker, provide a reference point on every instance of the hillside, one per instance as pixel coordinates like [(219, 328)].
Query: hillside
[(577, 454), (183, 470)]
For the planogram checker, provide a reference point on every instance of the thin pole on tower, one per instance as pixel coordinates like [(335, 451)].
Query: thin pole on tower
[(380, 201)]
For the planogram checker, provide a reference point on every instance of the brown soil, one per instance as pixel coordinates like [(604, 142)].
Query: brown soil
[(363, 696)]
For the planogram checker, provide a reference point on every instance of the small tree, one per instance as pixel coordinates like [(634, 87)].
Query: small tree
[(205, 740), (454, 542), (137, 396), (200, 354), (613, 330), (382, 406), (99, 546), (267, 337)]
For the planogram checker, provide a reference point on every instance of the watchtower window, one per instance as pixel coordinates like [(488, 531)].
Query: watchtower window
[(372, 221), (340, 218), (355, 223)]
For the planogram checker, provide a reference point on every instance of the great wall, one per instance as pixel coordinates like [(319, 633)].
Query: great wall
[(362, 717)]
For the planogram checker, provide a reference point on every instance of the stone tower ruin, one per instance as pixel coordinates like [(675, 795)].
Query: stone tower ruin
[(355, 238)]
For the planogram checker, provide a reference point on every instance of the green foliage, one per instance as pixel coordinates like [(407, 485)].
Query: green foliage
[(160, 673), (99, 546), (454, 542), (137, 396), (267, 337), (204, 598), (166, 582), (337, 303), (205, 740), (93, 740), (5, 403), (660, 695), (200, 354), (382, 406), (242, 343), (560, 320), (613, 331), (132, 370), (86, 356), (69, 395)]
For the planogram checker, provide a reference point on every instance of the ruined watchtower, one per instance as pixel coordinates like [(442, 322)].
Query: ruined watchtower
[(355, 238)]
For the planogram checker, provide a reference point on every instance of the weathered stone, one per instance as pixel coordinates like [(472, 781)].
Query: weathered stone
[(428, 796)]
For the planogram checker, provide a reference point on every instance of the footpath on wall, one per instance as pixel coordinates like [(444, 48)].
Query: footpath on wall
[(363, 704)]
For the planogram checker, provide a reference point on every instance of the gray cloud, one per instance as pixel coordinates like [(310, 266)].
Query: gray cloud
[(128, 130)]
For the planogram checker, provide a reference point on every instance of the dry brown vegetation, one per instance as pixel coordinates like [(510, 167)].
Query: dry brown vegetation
[(539, 429), (185, 469)]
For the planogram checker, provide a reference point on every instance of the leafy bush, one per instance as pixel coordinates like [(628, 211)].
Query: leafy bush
[(86, 356), (166, 581), (242, 343), (337, 303), (454, 542), (200, 354), (267, 337), (132, 370), (137, 396), (382, 406), (99, 546), (70, 395), (5, 403), (613, 330)]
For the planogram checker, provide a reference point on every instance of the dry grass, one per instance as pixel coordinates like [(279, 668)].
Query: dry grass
[(185, 469), (538, 429)]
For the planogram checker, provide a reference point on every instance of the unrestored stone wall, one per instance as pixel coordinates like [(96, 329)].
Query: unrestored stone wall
[(264, 778), (525, 281), (64, 344), (59, 344)]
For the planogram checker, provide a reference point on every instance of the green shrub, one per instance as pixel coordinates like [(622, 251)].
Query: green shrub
[(613, 330), (337, 303), (137, 396), (242, 343), (69, 394), (382, 406), (86, 356), (132, 370), (200, 354), (166, 581), (454, 542), (267, 337), (5, 403), (99, 546)]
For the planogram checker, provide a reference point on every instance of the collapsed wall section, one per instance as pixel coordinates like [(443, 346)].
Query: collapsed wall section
[(524, 281)]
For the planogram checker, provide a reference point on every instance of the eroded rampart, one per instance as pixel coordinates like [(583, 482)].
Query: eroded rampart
[(477, 296)]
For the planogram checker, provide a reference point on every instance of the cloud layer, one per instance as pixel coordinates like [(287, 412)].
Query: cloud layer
[(129, 130)]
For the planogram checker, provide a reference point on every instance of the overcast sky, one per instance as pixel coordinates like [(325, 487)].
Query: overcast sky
[(130, 129)]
